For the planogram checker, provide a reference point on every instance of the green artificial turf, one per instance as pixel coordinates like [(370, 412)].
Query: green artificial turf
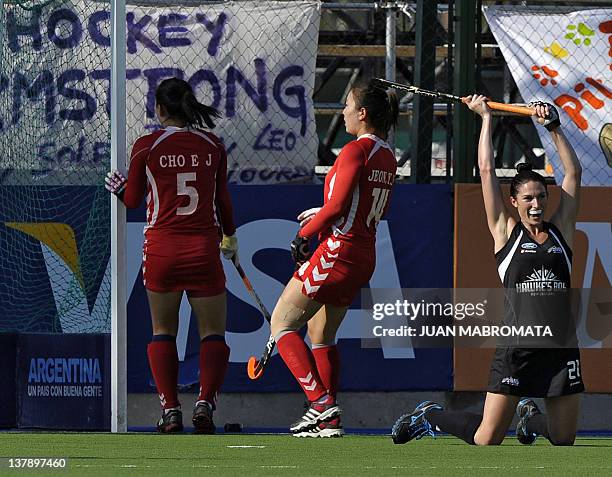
[(254, 455)]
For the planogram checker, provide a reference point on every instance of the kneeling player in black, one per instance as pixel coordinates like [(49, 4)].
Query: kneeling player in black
[(552, 373)]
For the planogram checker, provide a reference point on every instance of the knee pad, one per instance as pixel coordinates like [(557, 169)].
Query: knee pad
[(288, 317)]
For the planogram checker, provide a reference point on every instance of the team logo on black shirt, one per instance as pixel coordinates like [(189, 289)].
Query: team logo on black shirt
[(529, 247), (540, 280)]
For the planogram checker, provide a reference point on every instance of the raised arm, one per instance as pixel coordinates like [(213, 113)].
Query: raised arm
[(499, 221), (564, 217)]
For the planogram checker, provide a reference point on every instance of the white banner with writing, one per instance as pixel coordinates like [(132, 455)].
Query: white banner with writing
[(254, 61), (564, 57)]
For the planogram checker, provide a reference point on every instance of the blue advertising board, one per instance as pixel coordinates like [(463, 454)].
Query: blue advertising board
[(8, 394), (414, 250), (63, 381)]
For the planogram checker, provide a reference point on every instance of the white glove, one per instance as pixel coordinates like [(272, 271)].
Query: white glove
[(229, 247), (307, 215), (115, 183)]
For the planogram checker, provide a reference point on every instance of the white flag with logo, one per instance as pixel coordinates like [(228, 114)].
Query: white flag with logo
[(564, 57)]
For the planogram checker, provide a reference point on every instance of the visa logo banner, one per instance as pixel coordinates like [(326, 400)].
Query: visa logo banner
[(266, 220)]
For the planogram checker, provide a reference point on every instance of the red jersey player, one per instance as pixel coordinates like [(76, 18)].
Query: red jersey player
[(357, 191), (182, 171)]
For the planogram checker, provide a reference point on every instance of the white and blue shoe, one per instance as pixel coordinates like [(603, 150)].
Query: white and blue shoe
[(414, 425), (525, 410)]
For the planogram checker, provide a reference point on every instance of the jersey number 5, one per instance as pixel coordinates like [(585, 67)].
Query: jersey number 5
[(378, 205), (183, 189)]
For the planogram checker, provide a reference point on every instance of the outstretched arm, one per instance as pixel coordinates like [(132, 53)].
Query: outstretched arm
[(565, 216), (131, 192), (498, 219)]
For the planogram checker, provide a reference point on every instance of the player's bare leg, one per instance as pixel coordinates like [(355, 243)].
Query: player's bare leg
[(214, 356), (293, 310), (558, 425), (323, 326), (211, 313), (562, 413), (164, 309), (488, 428), (496, 419), (163, 356)]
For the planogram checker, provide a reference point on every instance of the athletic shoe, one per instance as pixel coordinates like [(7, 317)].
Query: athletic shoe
[(171, 421), (203, 418), (525, 410), (318, 412), (331, 428), (414, 425)]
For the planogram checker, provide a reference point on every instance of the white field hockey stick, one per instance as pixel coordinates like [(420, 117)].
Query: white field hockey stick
[(451, 98), (255, 368)]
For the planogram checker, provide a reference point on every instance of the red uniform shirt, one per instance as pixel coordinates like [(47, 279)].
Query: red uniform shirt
[(184, 174), (357, 191)]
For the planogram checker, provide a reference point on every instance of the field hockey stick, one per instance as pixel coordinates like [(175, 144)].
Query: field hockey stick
[(255, 368), (509, 108)]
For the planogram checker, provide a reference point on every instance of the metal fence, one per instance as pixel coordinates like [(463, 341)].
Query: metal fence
[(280, 72), (438, 141)]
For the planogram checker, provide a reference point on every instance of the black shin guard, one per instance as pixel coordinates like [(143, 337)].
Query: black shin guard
[(460, 424), (538, 424)]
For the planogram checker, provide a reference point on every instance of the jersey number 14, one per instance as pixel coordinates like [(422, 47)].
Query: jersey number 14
[(380, 197)]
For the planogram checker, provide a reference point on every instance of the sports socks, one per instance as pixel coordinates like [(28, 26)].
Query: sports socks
[(214, 356), (163, 360), (538, 424), (301, 362), (327, 360), (460, 424)]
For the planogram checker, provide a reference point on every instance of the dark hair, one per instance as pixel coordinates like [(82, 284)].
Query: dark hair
[(382, 105), (524, 173), (179, 102)]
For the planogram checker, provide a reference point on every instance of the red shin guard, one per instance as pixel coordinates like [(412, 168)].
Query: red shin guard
[(327, 359), (214, 356), (300, 361), (163, 360)]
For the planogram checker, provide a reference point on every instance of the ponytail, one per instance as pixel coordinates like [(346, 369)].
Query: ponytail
[(196, 113), (177, 98), (393, 105), (525, 173), (382, 105)]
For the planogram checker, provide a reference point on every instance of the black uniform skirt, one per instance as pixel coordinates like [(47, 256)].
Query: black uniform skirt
[(533, 372)]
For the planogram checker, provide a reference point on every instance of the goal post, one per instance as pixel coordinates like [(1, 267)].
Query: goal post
[(118, 222)]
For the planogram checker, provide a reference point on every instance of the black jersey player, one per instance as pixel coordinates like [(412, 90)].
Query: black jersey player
[(534, 264)]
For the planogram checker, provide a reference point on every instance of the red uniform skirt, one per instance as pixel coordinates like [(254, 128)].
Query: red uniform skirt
[(336, 271), (174, 262)]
